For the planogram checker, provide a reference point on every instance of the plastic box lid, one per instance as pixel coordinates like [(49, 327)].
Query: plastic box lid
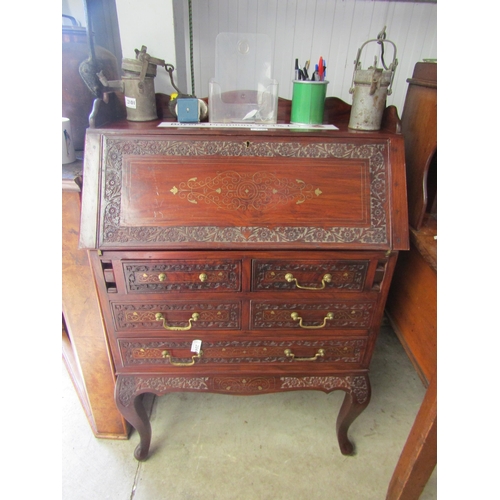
[(242, 61)]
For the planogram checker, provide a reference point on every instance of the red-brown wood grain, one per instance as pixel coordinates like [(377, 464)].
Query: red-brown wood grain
[(419, 123), (179, 223), (84, 344), (419, 455), (412, 303)]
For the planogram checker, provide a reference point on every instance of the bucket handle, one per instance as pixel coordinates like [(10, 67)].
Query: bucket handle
[(392, 67), (146, 60)]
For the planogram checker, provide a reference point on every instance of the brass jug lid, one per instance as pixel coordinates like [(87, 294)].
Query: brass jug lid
[(135, 66)]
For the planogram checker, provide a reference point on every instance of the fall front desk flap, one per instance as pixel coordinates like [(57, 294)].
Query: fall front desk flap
[(189, 190)]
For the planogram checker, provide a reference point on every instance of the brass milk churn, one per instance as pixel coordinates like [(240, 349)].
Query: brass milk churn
[(137, 84), (370, 88)]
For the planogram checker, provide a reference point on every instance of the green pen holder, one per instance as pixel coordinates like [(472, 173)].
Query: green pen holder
[(308, 102)]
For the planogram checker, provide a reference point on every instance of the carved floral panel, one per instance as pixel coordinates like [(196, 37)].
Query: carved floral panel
[(233, 189)]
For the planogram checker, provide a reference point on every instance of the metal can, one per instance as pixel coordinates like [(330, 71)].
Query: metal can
[(370, 88)]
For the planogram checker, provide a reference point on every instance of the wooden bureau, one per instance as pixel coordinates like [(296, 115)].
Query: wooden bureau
[(275, 250)]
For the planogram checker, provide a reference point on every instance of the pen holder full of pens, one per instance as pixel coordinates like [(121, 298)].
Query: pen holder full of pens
[(308, 102)]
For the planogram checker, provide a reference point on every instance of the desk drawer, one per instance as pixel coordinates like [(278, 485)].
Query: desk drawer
[(175, 316), (182, 276), (355, 314), (313, 275), (168, 353)]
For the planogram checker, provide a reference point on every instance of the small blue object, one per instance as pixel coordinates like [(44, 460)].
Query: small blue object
[(188, 110)]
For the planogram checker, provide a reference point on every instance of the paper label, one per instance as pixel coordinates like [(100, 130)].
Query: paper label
[(253, 126), (196, 346), (130, 102)]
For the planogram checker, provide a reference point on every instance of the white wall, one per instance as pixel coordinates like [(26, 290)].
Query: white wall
[(144, 22), (74, 8), (308, 29), (149, 23)]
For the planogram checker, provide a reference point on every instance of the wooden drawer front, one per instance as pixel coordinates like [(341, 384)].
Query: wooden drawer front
[(212, 315), (182, 276), (136, 352), (314, 316), (345, 275)]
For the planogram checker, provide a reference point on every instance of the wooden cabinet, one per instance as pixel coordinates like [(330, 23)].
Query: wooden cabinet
[(412, 302), (84, 347), (242, 262)]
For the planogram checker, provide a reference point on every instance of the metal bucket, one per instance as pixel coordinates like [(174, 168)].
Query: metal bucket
[(137, 84), (139, 88), (370, 88)]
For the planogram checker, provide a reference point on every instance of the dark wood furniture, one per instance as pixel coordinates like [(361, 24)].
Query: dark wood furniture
[(84, 347), (274, 249), (412, 302)]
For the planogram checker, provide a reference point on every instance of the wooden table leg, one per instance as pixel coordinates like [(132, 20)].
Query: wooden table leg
[(355, 401), (419, 455), (129, 403)]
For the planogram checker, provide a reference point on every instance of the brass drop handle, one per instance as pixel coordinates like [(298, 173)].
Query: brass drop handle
[(290, 354), (326, 279), (194, 317), (167, 355), (295, 316), (203, 277), (162, 276)]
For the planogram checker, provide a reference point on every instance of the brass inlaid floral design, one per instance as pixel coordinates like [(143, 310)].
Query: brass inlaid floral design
[(232, 190), (115, 149)]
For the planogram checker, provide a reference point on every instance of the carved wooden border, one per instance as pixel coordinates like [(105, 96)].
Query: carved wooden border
[(111, 233), (130, 386)]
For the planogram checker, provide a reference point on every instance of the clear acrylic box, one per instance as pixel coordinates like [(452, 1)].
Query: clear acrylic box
[(243, 90)]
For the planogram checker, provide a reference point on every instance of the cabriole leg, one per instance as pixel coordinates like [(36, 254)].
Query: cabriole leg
[(355, 401), (131, 407)]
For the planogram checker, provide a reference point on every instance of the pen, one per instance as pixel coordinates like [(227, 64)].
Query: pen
[(297, 74), (315, 77), (306, 67), (320, 69)]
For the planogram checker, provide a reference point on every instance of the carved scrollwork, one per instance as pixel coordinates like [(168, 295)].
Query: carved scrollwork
[(115, 149), (182, 276), (128, 387), (357, 385), (240, 352), (344, 275), (342, 314), (135, 316)]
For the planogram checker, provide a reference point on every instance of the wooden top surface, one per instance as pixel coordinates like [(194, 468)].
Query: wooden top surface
[(112, 117)]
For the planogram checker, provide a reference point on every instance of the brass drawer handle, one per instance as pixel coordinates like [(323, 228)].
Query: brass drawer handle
[(326, 279), (290, 354), (194, 317), (295, 316), (166, 354), (162, 276)]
